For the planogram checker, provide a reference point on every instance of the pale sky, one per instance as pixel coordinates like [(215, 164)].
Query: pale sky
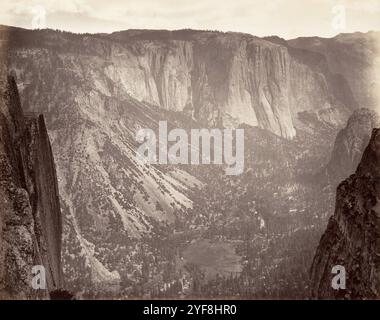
[(285, 18)]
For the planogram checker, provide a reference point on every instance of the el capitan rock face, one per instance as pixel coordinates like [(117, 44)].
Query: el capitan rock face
[(219, 78), (352, 238), (30, 216)]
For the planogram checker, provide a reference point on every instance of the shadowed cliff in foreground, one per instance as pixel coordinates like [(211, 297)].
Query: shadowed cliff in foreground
[(352, 238), (30, 217)]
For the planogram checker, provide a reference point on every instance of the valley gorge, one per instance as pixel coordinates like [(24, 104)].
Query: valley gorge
[(131, 230)]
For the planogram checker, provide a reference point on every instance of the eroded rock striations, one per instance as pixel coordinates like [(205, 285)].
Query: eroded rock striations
[(221, 78), (30, 217), (352, 238)]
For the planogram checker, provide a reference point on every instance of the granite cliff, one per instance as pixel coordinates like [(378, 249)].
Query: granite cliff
[(30, 217), (352, 238), (219, 78)]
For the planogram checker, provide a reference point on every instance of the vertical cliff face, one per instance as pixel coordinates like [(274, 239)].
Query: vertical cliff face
[(350, 144), (352, 238), (30, 217), (219, 78)]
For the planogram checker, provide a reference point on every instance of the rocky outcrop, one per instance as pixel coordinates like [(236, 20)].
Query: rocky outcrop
[(350, 144), (30, 217), (352, 238)]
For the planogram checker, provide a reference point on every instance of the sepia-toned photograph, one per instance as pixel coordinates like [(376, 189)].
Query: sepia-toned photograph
[(164, 150)]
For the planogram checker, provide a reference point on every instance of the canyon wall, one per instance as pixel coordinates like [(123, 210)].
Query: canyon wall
[(220, 78), (30, 217), (352, 238)]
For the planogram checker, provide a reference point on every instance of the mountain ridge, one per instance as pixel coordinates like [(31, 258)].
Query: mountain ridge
[(188, 60)]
